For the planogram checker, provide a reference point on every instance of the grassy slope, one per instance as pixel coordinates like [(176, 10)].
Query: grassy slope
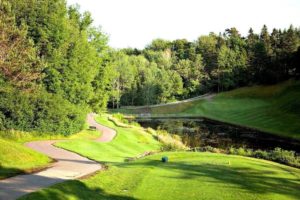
[(187, 176), (15, 158), (274, 109), (129, 142)]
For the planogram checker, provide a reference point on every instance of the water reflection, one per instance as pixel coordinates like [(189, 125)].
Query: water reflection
[(203, 132)]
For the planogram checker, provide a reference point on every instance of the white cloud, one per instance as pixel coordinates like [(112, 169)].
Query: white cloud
[(134, 23)]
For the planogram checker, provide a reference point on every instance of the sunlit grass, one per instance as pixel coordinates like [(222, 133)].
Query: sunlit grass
[(129, 142), (185, 176), (16, 158)]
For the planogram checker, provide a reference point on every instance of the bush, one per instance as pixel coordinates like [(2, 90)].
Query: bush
[(231, 150), (151, 131), (261, 154), (170, 142), (40, 111), (241, 152), (278, 155), (283, 156), (120, 119), (118, 116)]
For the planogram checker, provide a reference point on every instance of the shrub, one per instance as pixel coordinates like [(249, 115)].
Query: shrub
[(120, 119), (151, 131), (261, 154), (118, 116), (170, 142), (241, 151), (283, 156), (40, 111), (231, 150), (277, 155)]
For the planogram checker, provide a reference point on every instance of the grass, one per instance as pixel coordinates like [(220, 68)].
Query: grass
[(274, 109), (15, 158), (129, 142), (185, 176)]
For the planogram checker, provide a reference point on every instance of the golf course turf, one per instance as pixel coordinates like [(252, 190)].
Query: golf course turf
[(16, 158), (274, 109), (187, 175)]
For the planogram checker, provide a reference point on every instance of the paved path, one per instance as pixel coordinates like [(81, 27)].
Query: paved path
[(207, 96), (68, 166), (107, 133)]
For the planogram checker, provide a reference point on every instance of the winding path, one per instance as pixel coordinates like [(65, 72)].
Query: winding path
[(68, 166)]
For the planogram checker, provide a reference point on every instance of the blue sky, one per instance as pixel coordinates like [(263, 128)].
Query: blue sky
[(135, 23)]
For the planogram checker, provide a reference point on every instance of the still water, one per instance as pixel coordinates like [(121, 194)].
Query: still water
[(203, 132)]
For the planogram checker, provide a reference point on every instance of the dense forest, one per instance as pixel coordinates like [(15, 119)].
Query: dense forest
[(55, 66), (169, 70), (52, 68)]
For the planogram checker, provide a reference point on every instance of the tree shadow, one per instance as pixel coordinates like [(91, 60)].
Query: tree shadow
[(55, 188), (74, 189), (9, 172), (261, 181)]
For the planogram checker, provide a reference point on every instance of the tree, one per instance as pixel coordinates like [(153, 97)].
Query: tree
[(207, 47), (159, 45), (19, 63)]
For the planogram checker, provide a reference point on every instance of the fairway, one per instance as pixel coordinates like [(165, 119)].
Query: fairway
[(186, 176), (161, 101), (129, 142), (274, 109)]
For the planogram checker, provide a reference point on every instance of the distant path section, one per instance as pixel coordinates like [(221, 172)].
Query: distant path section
[(207, 96), (68, 166), (107, 133)]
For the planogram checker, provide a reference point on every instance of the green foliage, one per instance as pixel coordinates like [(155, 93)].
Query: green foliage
[(39, 112), (19, 64), (57, 59), (277, 155), (170, 142), (273, 108), (212, 63), (284, 156)]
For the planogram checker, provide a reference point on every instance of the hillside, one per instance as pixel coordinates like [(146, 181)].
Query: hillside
[(274, 109), (187, 175)]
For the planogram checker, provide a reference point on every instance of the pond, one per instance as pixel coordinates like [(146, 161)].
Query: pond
[(204, 132)]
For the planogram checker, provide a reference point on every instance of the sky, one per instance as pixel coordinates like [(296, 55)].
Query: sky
[(135, 23)]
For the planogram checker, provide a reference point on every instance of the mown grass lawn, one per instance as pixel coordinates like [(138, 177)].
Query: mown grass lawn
[(274, 109), (129, 142), (187, 175), (15, 158)]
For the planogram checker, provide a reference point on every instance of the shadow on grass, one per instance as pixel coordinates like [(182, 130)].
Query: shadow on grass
[(9, 172), (73, 189), (263, 181)]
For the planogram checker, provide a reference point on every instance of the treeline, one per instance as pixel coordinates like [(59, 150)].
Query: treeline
[(52, 66), (180, 69), (55, 67)]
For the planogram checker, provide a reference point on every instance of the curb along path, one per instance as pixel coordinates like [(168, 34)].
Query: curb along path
[(68, 166)]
